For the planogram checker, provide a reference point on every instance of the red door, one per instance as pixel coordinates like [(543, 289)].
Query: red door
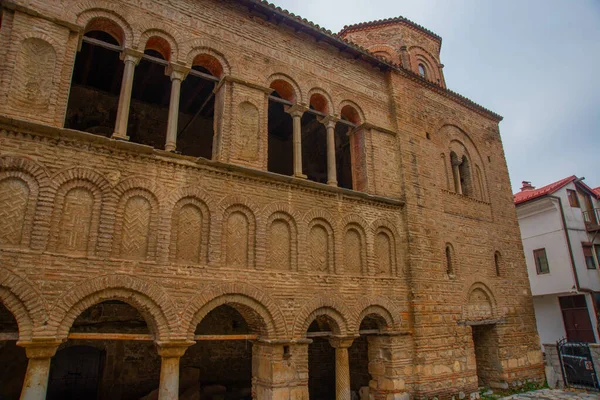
[(577, 319)]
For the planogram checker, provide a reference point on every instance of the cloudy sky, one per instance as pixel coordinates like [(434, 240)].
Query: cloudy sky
[(535, 62)]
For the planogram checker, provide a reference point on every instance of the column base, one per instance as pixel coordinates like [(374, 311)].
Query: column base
[(116, 136), (300, 176), (332, 183)]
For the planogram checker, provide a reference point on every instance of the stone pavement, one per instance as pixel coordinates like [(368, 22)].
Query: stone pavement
[(553, 394)]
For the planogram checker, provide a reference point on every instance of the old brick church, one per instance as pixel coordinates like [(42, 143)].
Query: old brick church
[(206, 199)]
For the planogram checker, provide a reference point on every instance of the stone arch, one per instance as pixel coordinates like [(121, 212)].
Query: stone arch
[(325, 305), (165, 34), (148, 298), (108, 21), (139, 189), (387, 316), (253, 301), (161, 44), (352, 112), (479, 302), (291, 90), (24, 302), (321, 100), (215, 61)]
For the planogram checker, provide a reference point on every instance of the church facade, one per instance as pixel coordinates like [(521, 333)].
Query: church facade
[(219, 199)]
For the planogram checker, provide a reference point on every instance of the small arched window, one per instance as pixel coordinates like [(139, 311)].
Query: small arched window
[(422, 71), (497, 262), (449, 259)]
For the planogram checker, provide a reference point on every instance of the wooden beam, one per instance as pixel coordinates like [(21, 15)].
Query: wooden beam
[(141, 337), (200, 338)]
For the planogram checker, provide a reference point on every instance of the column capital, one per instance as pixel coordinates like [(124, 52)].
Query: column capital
[(297, 110), (131, 55), (329, 121), (45, 348), (177, 71), (173, 349), (341, 342)]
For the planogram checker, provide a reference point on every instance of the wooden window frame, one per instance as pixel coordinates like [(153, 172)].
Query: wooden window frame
[(588, 253), (573, 198), (538, 265)]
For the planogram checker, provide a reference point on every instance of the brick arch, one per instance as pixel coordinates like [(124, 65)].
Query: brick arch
[(88, 15), (150, 299), (298, 96), (322, 92), (323, 219), (156, 29), (24, 302), (38, 207), (479, 284), (228, 206), (325, 305), (201, 47), (382, 48), (349, 103), (381, 306), (200, 204), (418, 55), (279, 211), (254, 301), (126, 189)]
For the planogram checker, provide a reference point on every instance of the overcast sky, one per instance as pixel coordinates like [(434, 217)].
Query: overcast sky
[(535, 62)]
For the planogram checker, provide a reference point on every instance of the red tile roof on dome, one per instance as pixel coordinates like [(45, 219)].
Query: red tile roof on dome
[(527, 195)]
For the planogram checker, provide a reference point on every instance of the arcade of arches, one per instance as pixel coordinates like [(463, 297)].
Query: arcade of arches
[(111, 353)]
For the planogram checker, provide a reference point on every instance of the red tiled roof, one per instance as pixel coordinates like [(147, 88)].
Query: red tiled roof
[(363, 25), (527, 195), (597, 190)]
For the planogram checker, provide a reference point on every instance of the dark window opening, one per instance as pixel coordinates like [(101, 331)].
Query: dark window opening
[(13, 365), (76, 373), (314, 148), (541, 261), (422, 71), (110, 317), (196, 115), (449, 261), (573, 198), (150, 100), (281, 145), (95, 87), (466, 180), (343, 158), (497, 261), (8, 323)]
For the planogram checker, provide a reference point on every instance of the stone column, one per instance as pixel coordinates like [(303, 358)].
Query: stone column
[(38, 368), (296, 111), (177, 73), (456, 175), (342, 367), (131, 59), (170, 354), (329, 123)]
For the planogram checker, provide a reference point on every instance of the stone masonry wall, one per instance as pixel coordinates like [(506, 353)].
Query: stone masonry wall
[(85, 218)]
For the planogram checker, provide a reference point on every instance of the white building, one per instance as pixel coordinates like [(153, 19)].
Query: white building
[(560, 228)]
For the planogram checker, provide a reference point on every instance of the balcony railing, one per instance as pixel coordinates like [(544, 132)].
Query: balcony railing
[(592, 218)]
